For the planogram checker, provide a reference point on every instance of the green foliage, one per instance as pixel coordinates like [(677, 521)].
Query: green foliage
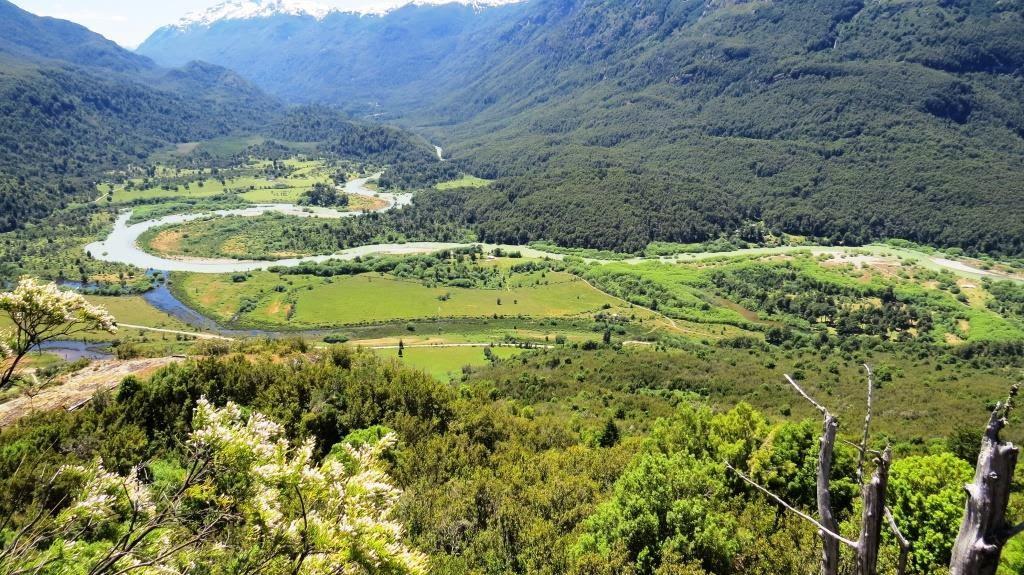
[(664, 505), (324, 196), (787, 465), (926, 494), (674, 503)]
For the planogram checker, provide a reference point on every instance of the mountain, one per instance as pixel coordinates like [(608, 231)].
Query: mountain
[(73, 104), (611, 124), (303, 52), (615, 124), (26, 36)]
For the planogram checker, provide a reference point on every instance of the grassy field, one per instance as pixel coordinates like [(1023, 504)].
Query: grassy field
[(466, 181), (446, 363), (252, 182), (306, 302), (692, 291)]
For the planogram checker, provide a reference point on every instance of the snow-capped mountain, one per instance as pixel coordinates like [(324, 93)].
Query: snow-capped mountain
[(325, 51), (253, 9), (249, 9)]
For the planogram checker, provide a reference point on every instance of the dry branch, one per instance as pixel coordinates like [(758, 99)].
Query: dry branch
[(783, 503), (901, 565)]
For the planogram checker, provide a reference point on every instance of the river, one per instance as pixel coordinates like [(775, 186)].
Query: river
[(121, 246)]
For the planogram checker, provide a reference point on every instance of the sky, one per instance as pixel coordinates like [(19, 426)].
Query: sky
[(129, 22)]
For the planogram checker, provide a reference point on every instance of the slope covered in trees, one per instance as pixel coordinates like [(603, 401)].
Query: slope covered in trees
[(73, 104), (613, 124), (617, 124)]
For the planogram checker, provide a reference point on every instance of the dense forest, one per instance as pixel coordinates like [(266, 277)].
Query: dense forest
[(674, 121), (74, 105), (612, 125)]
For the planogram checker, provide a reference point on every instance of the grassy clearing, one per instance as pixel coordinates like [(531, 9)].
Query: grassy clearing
[(257, 181), (466, 181), (136, 310), (446, 363)]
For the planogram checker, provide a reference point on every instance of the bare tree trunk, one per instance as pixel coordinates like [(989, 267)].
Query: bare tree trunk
[(984, 530), (829, 526), (830, 545), (873, 496), (873, 493)]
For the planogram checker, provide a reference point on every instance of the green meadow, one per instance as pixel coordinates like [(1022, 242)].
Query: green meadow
[(266, 299), (253, 182), (466, 181), (446, 363)]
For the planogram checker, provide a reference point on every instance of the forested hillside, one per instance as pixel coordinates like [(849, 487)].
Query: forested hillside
[(617, 124), (613, 124), (64, 121)]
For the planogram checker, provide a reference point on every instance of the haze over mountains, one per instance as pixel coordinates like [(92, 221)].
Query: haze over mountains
[(305, 52)]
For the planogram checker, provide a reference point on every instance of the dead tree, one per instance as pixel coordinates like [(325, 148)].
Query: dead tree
[(873, 500), (829, 525), (872, 493), (985, 530)]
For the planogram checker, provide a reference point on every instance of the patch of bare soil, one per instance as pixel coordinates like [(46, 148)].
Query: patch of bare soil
[(888, 267), (167, 242), (76, 389), (359, 203)]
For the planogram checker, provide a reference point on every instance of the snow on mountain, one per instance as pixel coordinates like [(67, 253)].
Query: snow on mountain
[(253, 9), (250, 9)]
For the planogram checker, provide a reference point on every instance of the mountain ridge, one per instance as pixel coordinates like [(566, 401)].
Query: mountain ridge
[(257, 9), (73, 104), (344, 55)]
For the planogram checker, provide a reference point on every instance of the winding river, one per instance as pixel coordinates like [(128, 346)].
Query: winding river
[(121, 246)]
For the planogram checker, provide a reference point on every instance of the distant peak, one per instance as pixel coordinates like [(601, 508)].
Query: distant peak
[(250, 9), (253, 9)]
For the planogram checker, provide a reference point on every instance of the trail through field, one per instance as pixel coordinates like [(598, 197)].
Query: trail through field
[(439, 345), (199, 335)]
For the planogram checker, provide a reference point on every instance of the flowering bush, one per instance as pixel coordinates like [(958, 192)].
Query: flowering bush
[(43, 312), (247, 501)]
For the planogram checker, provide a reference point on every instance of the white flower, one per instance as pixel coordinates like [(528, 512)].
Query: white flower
[(31, 300)]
